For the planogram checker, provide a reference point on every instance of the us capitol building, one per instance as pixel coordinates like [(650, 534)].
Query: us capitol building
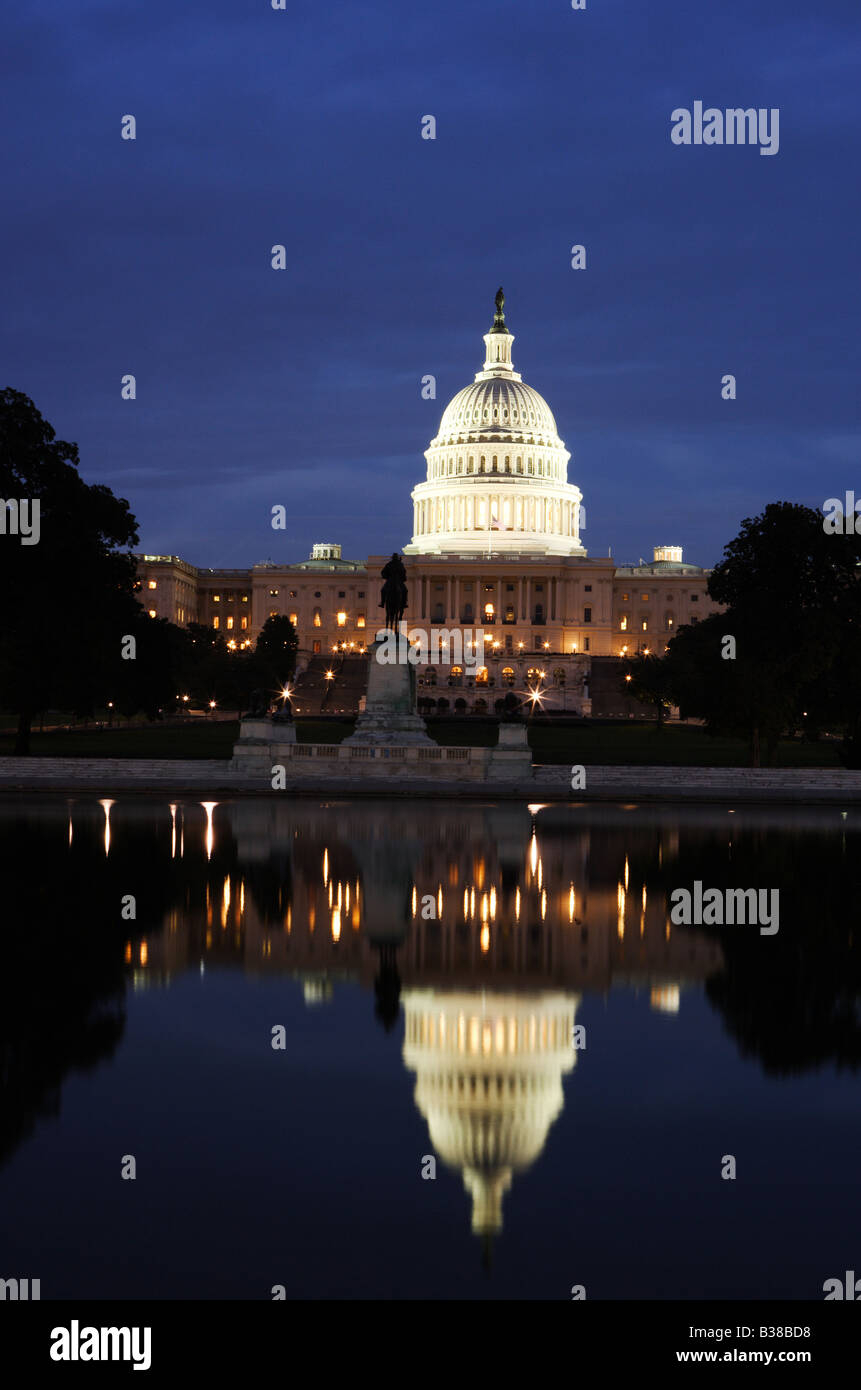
[(496, 545)]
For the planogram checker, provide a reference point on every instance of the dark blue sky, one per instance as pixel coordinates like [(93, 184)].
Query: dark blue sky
[(302, 387)]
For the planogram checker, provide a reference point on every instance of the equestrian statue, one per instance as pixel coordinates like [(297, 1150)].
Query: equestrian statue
[(393, 597)]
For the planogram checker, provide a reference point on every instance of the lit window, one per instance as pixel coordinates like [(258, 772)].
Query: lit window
[(294, 618), (318, 621), (488, 612), (244, 598), (360, 620), (273, 593), (152, 612), (316, 648), (216, 598), (645, 627), (216, 622), (152, 584), (243, 622), (624, 598), (273, 613), (644, 597), (342, 619), (623, 623), (230, 624)]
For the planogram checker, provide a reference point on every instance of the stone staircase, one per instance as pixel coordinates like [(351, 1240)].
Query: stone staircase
[(313, 693)]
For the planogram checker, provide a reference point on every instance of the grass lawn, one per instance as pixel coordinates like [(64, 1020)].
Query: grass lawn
[(590, 743)]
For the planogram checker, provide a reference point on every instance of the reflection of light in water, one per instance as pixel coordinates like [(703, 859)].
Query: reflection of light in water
[(144, 954), (571, 903), (517, 903), (543, 904), (540, 874), (331, 893), (465, 902), (289, 920), (128, 952), (485, 938), (488, 1072), (620, 906), (106, 807), (472, 902), (225, 901), (665, 998), (493, 902), (533, 853), (209, 807), (484, 907), (325, 867), (439, 901), (173, 830), (336, 924), (346, 897), (626, 873), (70, 824), (241, 896)]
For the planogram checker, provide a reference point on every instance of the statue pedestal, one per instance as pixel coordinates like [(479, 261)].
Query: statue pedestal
[(511, 759), (259, 738), (389, 715)]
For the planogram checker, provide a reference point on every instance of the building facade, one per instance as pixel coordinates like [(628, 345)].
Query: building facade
[(496, 549)]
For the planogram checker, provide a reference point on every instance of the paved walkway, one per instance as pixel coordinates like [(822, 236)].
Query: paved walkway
[(193, 776)]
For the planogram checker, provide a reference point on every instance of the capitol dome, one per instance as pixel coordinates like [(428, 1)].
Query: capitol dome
[(497, 471), (489, 1071)]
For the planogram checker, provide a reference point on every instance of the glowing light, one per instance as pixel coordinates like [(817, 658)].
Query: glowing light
[(439, 901), (572, 902), (543, 904), (533, 853), (517, 904), (209, 807), (325, 867), (106, 807), (484, 939), (336, 924), (173, 830), (626, 873), (144, 953)]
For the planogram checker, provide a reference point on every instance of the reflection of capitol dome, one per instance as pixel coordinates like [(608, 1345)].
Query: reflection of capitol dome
[(497, 469), (488, 1082)]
